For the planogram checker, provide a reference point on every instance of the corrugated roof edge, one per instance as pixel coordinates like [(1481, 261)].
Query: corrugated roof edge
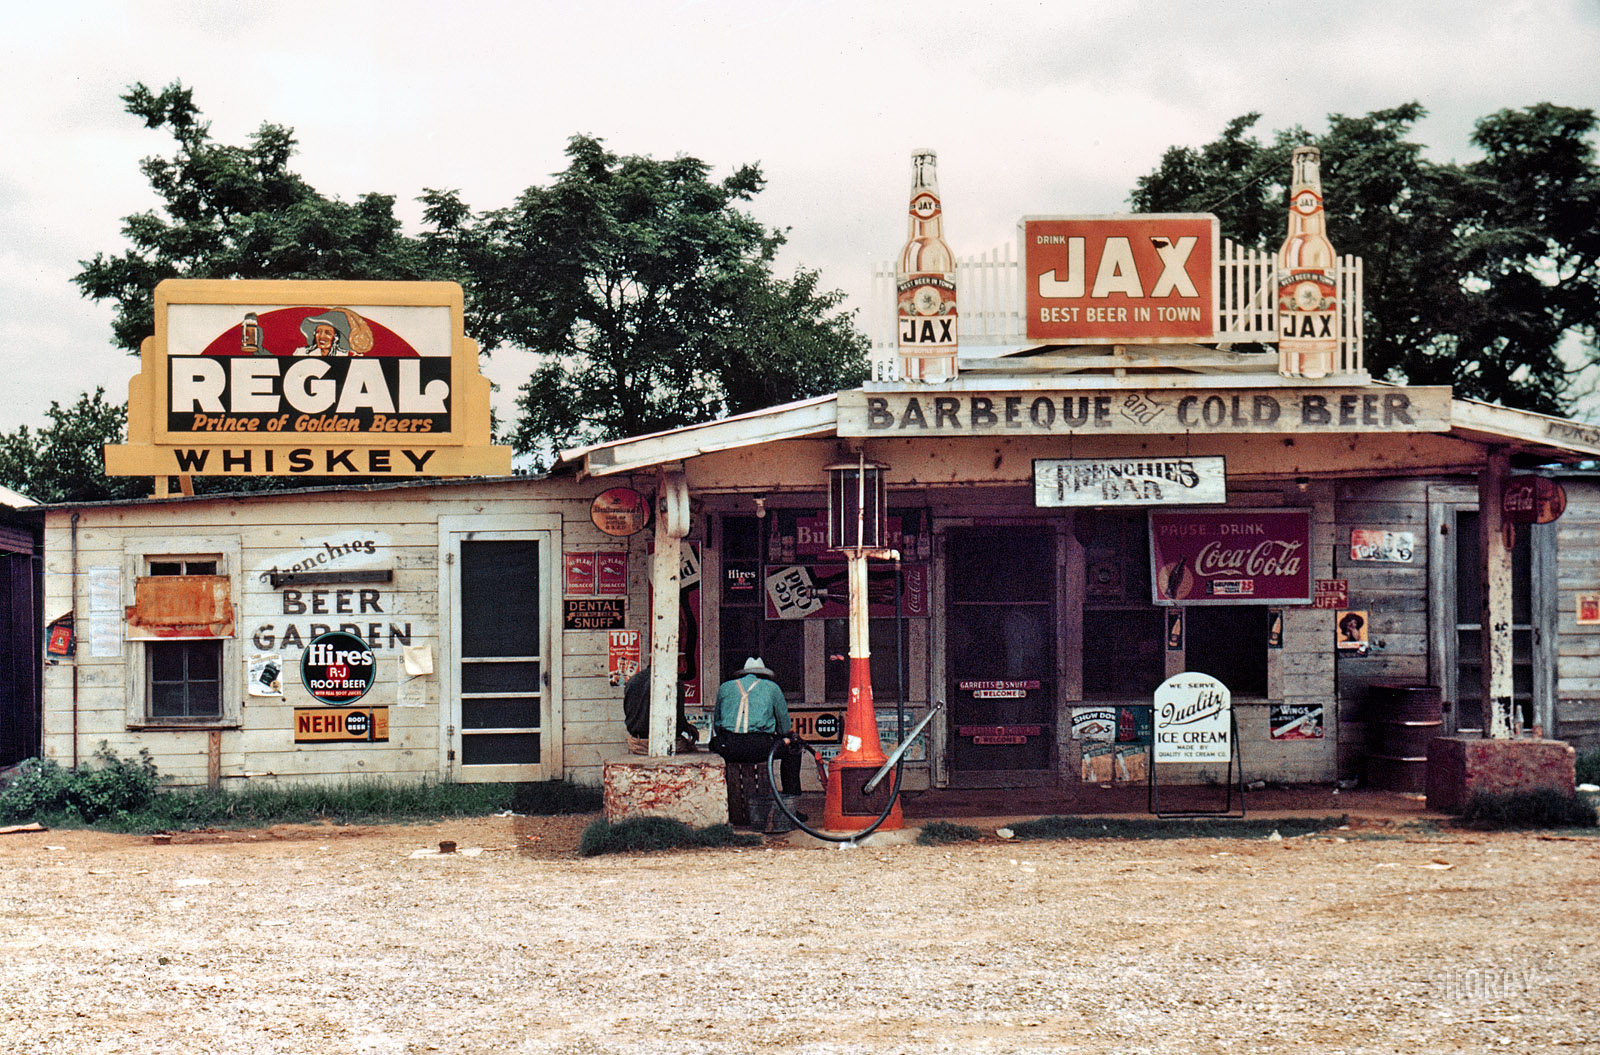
[(387, 485)]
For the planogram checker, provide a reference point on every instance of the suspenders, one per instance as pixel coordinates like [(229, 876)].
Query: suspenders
[(741, 723)]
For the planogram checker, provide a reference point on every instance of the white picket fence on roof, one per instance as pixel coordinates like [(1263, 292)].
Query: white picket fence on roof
[(989, 292)]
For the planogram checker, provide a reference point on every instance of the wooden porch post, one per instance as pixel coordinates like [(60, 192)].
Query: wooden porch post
[(672, 525), (1495, 619)]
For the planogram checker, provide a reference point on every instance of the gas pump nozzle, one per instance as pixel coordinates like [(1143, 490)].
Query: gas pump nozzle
[(905, 745)]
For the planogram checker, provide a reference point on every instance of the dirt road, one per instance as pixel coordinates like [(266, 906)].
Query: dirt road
[(357, 940)]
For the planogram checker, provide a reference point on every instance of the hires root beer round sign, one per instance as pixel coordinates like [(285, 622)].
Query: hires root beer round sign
[(338, 668)]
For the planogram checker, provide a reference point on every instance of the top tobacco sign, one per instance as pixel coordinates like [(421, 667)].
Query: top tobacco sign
[(1147, 279), (308, 378)]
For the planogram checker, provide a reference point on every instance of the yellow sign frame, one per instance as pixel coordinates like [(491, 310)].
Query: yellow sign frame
[(462, 448)]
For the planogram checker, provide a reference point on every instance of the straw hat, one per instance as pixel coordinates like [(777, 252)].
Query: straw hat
[(753, 665)]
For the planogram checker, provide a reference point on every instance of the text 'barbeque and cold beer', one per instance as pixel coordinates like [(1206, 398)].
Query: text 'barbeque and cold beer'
[(1144, 411)]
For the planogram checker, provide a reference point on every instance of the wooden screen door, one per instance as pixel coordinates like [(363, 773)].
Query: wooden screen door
[(500, 672), (1000, 640)]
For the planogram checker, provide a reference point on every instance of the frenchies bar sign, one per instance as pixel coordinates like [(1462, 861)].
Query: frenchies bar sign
[(1149, 279), (1064, 482), (258, 378), (1236, 556)]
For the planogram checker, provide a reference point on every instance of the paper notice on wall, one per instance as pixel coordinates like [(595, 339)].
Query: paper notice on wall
[(412, 690), (105, 612), (265, 674), (417, 660)]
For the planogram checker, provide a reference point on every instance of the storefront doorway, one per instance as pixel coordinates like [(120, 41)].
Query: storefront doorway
[(503, 723), (1000, 647)]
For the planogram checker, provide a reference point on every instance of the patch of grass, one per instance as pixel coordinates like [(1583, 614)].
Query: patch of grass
[(937, 833), (105, 788), (1588, 770), (640, 834), (1523, 810), (122, 795), (1156, 828)]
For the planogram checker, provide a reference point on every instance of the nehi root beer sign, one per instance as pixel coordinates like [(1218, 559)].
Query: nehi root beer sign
[(256, 378)]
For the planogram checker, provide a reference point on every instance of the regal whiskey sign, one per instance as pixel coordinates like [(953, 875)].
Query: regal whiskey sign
[(308, 378)]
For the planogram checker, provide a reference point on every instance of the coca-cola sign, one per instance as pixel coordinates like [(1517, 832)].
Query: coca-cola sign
[(1237, 556)]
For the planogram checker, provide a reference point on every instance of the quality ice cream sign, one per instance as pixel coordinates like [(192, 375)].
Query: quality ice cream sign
[(308, 378), (1193, 719)]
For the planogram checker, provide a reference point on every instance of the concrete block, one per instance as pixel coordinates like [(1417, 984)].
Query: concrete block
[(1460, 767), (688, 788)]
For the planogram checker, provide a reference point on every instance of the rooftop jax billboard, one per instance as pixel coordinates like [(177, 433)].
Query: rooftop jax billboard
[(258, 378), (1138, 279)]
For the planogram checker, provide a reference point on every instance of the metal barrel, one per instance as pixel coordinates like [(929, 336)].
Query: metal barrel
[(1401, 721)]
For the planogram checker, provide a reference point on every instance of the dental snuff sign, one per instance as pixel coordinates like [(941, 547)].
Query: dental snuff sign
[(1193, 720), (1146, 279), (257, 378)]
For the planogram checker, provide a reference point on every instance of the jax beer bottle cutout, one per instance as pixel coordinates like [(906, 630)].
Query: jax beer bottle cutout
[(925, 283), (1308, 333)]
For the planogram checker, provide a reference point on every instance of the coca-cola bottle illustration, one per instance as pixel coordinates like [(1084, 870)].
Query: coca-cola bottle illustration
[(925, 283), (1308, 322)]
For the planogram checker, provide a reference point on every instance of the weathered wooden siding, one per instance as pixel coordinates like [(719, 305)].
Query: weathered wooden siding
[(279, 531), (1578, 647), (1394, 596)]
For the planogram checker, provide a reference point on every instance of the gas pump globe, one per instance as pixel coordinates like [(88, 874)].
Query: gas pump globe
[(858, 525), (857, 506)]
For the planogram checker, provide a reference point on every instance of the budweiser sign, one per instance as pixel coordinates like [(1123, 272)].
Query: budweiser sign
[(1241, 556)]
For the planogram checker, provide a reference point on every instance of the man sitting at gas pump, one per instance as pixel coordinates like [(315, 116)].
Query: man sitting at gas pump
[(751, 714)]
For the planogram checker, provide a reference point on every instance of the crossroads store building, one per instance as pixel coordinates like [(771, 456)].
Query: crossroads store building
[(1075, 523)]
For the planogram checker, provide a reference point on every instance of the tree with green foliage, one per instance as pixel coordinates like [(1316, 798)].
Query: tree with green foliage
[(62, 461), (238, 212), (644, 288), (649, 296), (1477, 275)]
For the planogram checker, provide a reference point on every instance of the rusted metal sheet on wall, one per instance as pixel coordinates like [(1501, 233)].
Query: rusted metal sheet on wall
[(180, 606)]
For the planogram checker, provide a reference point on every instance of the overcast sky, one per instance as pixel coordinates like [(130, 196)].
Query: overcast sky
[(1052, 107)]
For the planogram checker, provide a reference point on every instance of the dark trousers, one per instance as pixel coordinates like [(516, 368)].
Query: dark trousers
[(755, 747)]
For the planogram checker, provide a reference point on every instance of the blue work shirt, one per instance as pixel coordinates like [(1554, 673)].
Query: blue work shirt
[(768, 711)]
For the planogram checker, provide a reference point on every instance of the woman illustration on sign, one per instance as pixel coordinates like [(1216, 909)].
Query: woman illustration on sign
[(337, 331), (1352, 633)]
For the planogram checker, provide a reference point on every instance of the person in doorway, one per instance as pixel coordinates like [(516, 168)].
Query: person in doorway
[(636, 716), (750, 716)]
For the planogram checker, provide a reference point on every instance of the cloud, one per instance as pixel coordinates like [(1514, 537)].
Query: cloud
[(1034, 108)]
